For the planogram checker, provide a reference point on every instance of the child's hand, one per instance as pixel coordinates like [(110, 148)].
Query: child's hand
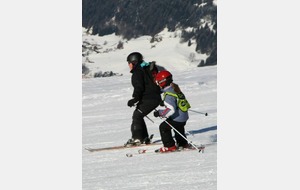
[(156, 114)]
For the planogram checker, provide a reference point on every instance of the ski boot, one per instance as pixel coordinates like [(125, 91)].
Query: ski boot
[(133, 142)]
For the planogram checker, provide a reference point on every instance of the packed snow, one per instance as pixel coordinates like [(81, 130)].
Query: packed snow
[(106, 121)]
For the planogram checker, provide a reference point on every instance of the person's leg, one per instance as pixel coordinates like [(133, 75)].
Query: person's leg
[(138, 126), (179, 126), (166, 135), (145, 107)]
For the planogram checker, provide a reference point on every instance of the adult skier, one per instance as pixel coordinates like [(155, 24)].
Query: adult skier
[(146, 96)]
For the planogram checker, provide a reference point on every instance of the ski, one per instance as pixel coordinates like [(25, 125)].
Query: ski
[(146, 151), (118, 147), (157, 142), (198, 148)]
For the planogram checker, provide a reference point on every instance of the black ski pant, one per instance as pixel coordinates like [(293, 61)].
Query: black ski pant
[(166, 133), (138, 126)]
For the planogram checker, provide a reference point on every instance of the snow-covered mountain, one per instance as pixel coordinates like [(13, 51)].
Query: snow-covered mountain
[(101, 53)]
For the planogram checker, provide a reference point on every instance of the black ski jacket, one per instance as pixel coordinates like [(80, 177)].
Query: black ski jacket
[(143, 84)]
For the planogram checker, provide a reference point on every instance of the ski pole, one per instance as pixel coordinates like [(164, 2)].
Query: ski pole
[(186, 131), (198, 112), (182, 135), (172, 128), (145, 115)]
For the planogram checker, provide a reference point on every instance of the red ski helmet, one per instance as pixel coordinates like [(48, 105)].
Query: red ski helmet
[(163, 78)]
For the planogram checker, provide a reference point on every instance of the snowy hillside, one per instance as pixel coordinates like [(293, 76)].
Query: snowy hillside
[(106, 121), (167, 51)]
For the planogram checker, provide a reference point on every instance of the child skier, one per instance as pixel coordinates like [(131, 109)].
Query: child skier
[(175, 112)]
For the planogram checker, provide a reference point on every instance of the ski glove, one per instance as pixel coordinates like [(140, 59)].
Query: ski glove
[(162, 103), (156, 114), (131, 102)]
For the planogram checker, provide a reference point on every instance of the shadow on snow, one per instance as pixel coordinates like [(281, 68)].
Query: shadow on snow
[(202, 130)]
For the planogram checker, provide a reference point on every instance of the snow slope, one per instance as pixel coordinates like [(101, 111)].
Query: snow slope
[(106, 122)]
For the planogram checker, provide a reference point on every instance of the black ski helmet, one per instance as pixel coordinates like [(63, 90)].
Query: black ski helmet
[(135, 57)]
